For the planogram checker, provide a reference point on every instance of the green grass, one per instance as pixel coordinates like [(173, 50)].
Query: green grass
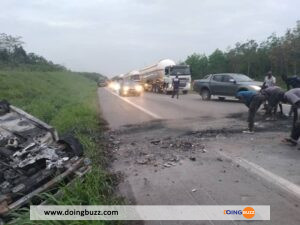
[(67, 101)]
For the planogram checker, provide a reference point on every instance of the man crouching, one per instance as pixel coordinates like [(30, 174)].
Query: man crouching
[(253, 101), (293, 97)]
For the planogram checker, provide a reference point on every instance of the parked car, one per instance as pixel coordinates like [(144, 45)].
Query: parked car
[(225, 85), (128, 88)]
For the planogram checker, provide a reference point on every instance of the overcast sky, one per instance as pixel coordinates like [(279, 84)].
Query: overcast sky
[(116, 36)]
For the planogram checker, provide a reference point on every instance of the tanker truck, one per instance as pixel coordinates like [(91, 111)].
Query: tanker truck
[(133, 75), (158, 77)]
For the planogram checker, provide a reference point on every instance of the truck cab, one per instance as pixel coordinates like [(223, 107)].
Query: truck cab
[(184, 74)]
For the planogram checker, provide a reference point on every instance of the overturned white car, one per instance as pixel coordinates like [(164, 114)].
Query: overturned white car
[(32, 157)]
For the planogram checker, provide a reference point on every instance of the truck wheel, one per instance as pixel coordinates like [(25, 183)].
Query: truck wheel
[(205, 94), (184, 92)]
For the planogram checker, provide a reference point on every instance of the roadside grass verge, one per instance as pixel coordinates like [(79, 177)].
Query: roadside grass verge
[(67, 101)]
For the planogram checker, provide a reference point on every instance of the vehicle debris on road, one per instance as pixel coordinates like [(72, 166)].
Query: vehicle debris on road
[(192, 158), (33, 157)]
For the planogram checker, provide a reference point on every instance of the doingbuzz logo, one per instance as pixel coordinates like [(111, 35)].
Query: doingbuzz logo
[(247, 212)]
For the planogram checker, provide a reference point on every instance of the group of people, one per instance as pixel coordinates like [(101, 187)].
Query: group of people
[(272, 96)]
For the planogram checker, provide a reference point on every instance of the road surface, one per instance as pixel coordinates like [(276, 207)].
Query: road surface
[(189, 151), (119, 111)]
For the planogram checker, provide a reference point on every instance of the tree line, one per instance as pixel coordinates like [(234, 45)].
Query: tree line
[(13, 55), (281, 55)]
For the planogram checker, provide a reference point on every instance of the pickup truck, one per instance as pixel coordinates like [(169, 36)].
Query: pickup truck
[(224, 85)]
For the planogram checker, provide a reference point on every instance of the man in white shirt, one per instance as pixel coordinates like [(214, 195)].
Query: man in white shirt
[(270, 80)]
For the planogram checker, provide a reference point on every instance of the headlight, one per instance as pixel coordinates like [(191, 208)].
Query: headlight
[(117, 86), (138, 88), (125, 88), (255, 87)]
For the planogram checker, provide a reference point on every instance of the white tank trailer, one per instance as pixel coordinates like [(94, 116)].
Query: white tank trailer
[(158, 77), (133, 75)]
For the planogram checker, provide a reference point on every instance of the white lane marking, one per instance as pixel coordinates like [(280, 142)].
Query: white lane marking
[(136, 106), (279, 181)]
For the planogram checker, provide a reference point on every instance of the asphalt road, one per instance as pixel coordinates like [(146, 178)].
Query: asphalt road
[(155, 106), (227, 166)]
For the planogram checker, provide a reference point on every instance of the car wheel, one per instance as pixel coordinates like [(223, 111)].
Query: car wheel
[(184, 92), (205, 94), (221, 98), (72, 145)]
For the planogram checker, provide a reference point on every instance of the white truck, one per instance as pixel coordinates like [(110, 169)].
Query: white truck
[(158, 77), (133, 75)]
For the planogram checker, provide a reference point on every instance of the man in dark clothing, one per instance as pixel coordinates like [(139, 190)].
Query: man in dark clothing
[(274, 95), (246, 96), (291, 82), (293, 97), (176, 83), (253, 101)]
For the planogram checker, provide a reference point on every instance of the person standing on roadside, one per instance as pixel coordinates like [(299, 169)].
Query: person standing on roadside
[(270, 80), (175, 83)]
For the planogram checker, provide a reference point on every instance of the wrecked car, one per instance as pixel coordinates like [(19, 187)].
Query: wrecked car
[(32, 157)]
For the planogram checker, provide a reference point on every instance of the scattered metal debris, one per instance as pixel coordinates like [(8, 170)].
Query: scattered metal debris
[(32, 157), (220, 159), (192, 158), (142, 161), (155, 142)]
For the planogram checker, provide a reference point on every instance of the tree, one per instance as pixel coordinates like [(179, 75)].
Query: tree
[(19, 55), (12, 54), (9, 42), (198, 64), (248, 52), (4, 56), (279, 54), (217, 62)]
